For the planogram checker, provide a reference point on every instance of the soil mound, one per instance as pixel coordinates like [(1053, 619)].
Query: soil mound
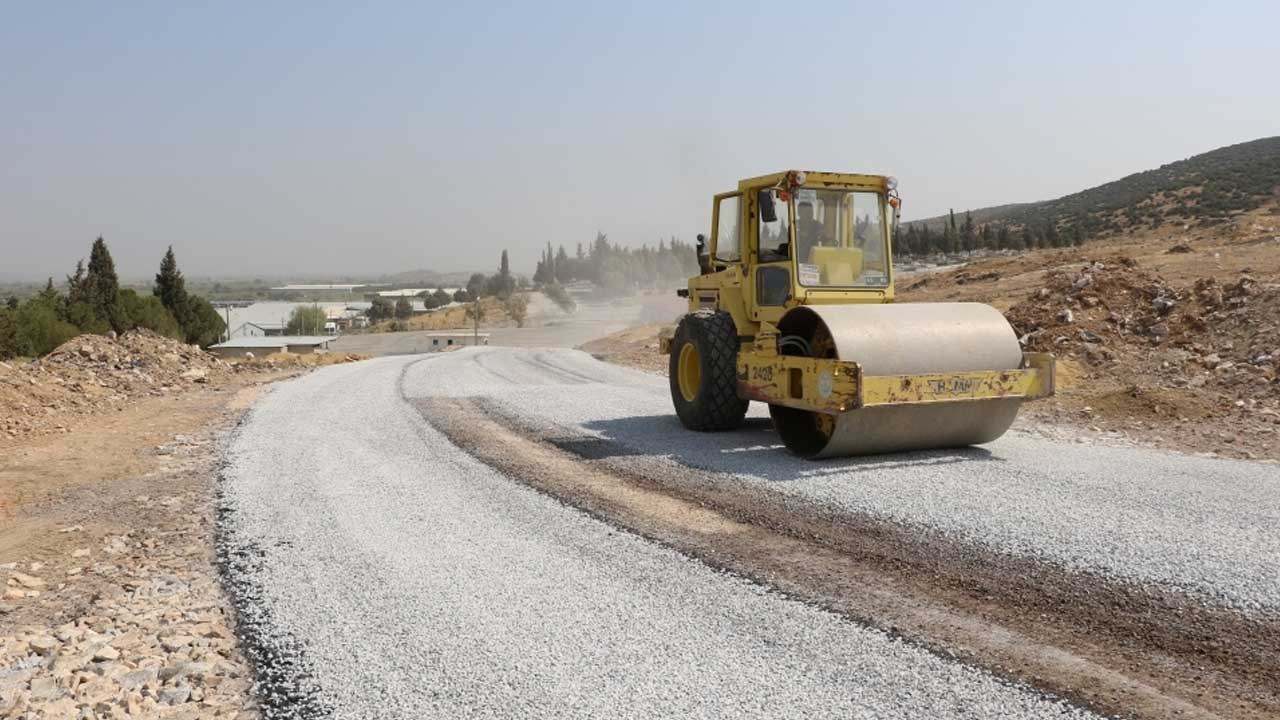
[(1210, 350), (90, 373), (1112, 311)]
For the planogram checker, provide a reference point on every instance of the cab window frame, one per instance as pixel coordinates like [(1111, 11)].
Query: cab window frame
[(717, 218), (885, 242)]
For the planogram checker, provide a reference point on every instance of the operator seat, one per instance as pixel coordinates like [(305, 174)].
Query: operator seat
[(837, 265)]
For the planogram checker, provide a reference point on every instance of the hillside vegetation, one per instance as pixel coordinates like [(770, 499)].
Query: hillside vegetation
[(1201, 191)]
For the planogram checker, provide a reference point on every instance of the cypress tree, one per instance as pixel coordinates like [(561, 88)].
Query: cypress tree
[(103, 287), (968, 239), (77, 290), (170, 286), (1004, 239)]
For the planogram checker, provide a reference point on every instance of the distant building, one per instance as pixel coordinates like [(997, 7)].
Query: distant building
[(412, 292), (580, 289), (445, 339), (321, 287), (258, 329), (296, 344)]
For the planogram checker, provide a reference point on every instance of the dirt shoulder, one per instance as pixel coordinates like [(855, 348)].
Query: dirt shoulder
[(635, 347), (111, 602)]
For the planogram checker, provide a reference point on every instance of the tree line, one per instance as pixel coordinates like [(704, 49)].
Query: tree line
[(616, 269), (95, 303), (502, 285), (919, 239)]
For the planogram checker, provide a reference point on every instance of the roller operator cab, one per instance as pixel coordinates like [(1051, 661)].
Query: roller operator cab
[(794, 307)]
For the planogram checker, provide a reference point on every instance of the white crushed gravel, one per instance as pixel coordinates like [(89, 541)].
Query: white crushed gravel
[(417, 582)]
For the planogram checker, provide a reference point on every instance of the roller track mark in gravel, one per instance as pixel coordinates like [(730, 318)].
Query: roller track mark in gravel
[(546, 360), (478, 357), (1109, 645), (568, 377)]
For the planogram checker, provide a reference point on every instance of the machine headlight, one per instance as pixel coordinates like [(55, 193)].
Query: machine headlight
[(891, 183)]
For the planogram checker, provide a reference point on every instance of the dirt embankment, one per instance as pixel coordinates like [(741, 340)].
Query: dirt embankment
[(635, 347), (1197, 363), (110, 604), (90, 375)]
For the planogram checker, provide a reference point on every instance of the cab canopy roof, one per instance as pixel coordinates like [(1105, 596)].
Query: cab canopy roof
[(815, 179)]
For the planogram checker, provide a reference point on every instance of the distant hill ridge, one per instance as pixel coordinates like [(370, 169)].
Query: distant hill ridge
[(1202, 190)]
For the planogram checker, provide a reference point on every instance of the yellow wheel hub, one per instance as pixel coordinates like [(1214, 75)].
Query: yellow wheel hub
[(690, 371)]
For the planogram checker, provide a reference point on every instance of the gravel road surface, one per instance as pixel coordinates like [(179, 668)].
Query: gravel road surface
[(1201, 525), (423, 583)]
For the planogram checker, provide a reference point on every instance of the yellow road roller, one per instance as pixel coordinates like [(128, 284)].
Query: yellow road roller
[(793, 306)]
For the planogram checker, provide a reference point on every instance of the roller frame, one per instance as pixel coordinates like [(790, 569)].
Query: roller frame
[(836, 386)]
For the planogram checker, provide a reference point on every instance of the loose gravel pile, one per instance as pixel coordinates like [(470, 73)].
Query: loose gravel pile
[(421, 583)]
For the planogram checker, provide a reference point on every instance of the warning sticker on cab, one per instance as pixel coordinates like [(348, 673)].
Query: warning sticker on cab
[(809, 274)]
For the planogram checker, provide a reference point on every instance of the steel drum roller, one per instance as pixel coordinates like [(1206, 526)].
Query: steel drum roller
[(903, 339)]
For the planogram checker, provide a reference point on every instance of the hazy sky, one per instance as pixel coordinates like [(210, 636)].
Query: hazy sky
[(303, 138)]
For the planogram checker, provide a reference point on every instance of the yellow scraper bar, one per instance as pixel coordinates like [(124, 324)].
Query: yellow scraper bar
[(834, 386)]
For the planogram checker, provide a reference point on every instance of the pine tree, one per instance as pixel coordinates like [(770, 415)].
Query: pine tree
[(1004, 239), (77, 290), (928, 244), (103, 287), (502, 284), (49, 294), (950, 235), (563, 272), (1051, 236), (170, 286), (171, 289), (968, 239)]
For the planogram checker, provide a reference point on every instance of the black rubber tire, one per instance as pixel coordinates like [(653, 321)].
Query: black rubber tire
[(716, 406)]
